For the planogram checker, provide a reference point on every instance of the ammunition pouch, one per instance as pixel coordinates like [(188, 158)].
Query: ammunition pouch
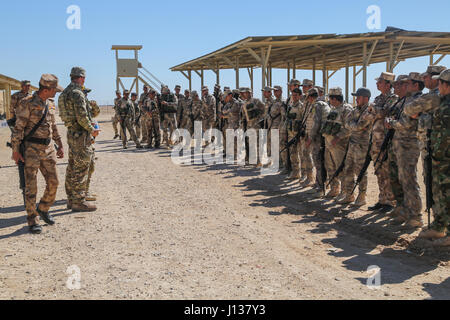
[(12, 122), (331, 128), (291, 116)]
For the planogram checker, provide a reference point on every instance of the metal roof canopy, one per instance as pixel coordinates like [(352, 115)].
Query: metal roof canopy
[(326, 52)]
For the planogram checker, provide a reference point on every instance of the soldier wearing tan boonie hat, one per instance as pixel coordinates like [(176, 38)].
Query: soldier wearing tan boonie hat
[(386, 76)]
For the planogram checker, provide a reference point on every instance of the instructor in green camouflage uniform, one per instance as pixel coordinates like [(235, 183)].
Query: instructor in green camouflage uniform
[(73, 110)]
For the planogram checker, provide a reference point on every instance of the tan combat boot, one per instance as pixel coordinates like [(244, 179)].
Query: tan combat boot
[(361, 200), (91, 197), (347, 199), (308, 181), (414, 222), (294, 175), (334, 192), (443, 242), (431, 234), (83, 207)]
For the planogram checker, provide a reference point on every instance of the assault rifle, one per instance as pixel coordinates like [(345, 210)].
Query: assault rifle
[(429, 177)]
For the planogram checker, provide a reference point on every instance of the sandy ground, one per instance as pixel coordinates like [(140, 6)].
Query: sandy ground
[(165, 231)]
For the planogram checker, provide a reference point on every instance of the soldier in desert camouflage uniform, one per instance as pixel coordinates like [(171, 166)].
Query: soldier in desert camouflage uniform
[(153, 119), (275, 116), (231, 114), (127, 119), (18, 96), (440, 143), (306, 161), (382, 105), (209, 112), (115, 119), (144, 121), (184, 112), (403, 156), (293, 118), (321, 111), (137, 115), (252, 113), (423, 108), (336, 138), (168, 109), (359, 122), (38, 153)]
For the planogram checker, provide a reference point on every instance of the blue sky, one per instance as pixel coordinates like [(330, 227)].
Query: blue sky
[(35, 38)]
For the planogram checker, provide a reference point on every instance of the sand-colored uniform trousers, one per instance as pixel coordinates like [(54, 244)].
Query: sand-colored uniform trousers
[(185, 115), (231, 112), (137, 122), (359, 122), (37, 156), (169, 121), (382, 105), (440, 142), (321, 111)]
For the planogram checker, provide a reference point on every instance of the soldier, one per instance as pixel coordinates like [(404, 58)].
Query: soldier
[(440, 141), (153, 119), (115, 120), (185, 112), (275, 117), (127, 120), (336, 138), (304, 147), (293, 118), (16, 98), (252, 113), (359, 123), (34, 129), (231, 114), (93, 111), (73, 107), (403, 156), (218, 96), (168, 110), (321, 94), (423, 107), (209, 113), (137, 115), (382, 105), (144, 121), (320, 114), (306, 86)]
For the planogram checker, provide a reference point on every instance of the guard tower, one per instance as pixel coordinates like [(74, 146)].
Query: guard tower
[(132, 68)]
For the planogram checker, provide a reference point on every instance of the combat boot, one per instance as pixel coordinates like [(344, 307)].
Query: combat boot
[(69, 204), (293, 176), (395, 212), (308, 181), (91, 197), (83, 207), (375, 207), (35, 229), (45, 216), (431, 234), (332, 193), (347, 199), (414, 222), (116, 136), (443, 242), (361, 200)]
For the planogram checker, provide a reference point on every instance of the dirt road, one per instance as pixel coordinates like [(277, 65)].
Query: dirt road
[(165, 231)]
